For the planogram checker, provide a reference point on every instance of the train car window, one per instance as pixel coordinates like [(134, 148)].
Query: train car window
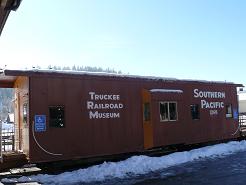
[(25, 113), (195, 111), (163, 111), (146, 111), (229, 111), (168, 111), (56, 116), (172, 111)]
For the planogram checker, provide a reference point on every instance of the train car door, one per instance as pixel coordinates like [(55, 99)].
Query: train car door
[(147, 121)]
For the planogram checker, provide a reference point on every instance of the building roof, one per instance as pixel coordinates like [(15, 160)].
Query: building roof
[(5, 7), (9, 76)]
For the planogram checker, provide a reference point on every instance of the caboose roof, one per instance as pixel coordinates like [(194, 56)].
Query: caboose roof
[(8, 76)]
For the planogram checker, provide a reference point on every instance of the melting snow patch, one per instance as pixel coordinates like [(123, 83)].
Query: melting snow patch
[(136, 165)]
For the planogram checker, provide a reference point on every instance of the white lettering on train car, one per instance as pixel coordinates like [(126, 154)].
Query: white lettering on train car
[(109, 103), (103, 115), (208, 94), (211, 105), (207, 103)]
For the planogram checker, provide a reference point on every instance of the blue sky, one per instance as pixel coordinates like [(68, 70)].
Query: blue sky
[(186, 39)]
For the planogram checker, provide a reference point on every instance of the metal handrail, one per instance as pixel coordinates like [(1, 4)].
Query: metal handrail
[(242, 121), (7, 140)]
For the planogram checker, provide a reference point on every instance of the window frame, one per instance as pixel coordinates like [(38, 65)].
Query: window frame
[(168, 111), (146, 112), (163, 120), (51, 121), (228, 115), (198, 112)]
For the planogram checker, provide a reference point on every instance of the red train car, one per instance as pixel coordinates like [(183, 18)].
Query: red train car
[(69, 115)]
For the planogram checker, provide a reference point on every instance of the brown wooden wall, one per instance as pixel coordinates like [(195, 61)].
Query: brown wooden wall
[(84, 137), (188, 131)]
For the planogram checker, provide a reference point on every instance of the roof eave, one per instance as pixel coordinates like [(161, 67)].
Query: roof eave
[(40, 72), (7, 81), (3, 18), (5, 7)]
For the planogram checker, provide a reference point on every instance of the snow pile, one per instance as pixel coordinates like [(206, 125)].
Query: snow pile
[(133, 166)]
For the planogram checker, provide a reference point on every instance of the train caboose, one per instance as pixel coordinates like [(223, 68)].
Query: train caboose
[(63, 115)]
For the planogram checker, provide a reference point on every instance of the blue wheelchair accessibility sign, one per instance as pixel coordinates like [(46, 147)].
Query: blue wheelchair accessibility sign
[(40, 123)]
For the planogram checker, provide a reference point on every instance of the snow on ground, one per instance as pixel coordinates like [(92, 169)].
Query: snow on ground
[(136, 165)]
